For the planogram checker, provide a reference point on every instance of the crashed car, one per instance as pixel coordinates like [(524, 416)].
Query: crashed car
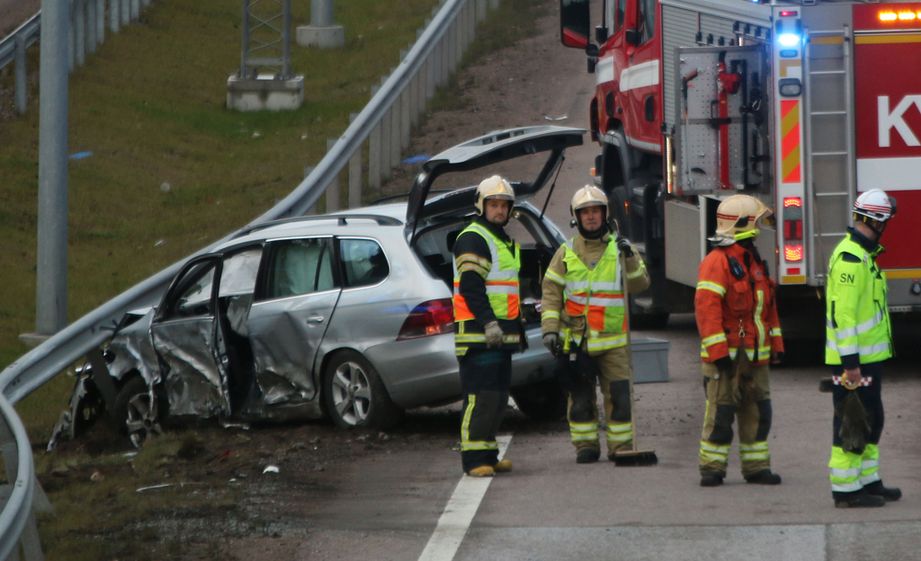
[(346, 315)]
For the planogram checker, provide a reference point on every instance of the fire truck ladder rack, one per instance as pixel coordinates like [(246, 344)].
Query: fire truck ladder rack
[(830, 165)]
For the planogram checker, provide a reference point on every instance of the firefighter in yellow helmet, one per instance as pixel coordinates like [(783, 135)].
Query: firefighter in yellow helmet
[(487, 324), (858, 342), (740, 335), (583, 322)]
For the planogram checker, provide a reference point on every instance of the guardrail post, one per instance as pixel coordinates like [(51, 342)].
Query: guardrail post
[(374, 157), (125, 12), (135, 9), (79, 24), (21, 84), (332, 190), (386, 139), (395, 132), (90, 26), (493, 4), (481, 8), (100, 21), (115, 17), (355, 173)]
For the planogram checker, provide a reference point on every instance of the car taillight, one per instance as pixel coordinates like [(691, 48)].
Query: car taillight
[(793, 229), (433, 317)]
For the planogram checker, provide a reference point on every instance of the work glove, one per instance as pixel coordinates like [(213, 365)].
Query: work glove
[(623, 244), (724, 365), (552, 342), (776, 358), (494, 335)]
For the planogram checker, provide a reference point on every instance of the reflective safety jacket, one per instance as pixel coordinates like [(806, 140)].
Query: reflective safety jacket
[(500, 274), (583, 293), (857, 326), (735, 306)]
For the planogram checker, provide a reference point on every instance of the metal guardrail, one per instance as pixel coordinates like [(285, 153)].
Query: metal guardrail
[(384, 125), (87, 31)]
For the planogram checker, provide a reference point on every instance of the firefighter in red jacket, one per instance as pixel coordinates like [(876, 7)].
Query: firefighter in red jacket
[(739, 336)]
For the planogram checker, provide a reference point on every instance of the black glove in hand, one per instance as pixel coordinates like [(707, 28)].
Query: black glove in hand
[(724, 365), (494, 335), (552, 342), (623, 244)]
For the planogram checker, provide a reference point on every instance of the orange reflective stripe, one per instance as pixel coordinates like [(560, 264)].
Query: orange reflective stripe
[(596, 318), (513, 306), (461, 311)]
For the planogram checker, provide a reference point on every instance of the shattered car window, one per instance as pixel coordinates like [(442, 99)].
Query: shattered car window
[(195, 300), (300, 267), (239, 272), (364, 262)]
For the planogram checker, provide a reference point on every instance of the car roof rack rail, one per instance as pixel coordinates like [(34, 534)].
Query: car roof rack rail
[(341, 220)]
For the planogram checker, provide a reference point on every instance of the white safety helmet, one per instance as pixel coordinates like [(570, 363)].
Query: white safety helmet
[(588, 196), (493, 187), (874, 204), (737, 218)]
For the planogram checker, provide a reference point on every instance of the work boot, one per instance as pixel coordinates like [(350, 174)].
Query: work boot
[(763, 477), (888, 493), (711, 480), (482, 471), (503, 466), (587, 455), (858, 499)]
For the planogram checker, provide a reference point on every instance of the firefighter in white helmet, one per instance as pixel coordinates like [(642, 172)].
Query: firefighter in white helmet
[(487, 323), (740, 335), (858, 342), (584, 324)]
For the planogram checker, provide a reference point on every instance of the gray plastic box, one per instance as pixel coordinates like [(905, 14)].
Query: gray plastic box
[(650, 359)]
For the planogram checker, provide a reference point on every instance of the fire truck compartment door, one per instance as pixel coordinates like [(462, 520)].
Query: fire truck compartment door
[(721, 140)]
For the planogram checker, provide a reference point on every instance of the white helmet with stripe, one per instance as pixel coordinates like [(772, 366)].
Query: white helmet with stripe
[(874, 204)]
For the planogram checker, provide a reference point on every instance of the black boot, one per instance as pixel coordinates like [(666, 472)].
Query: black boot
[(857, 499), (763, 477), (887, 493), (587, 455), (711, 480)]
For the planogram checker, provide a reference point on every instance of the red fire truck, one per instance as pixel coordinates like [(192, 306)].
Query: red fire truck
[(801, 105)]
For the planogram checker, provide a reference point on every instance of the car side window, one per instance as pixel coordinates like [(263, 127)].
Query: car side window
[(300, 267), (238, 275), (195, 298), (363, 261)]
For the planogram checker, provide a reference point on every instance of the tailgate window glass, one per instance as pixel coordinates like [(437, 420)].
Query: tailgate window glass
[(300, 267), (363, 262)]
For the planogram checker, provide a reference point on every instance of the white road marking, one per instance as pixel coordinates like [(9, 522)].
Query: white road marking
[(458, 513)]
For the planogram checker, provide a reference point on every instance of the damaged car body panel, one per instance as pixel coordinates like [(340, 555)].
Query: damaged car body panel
[(346, 315)]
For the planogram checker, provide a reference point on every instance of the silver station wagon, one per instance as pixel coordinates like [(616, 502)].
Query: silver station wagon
[(345, 315)]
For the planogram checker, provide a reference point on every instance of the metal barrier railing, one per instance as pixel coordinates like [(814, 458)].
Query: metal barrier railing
[(384, 125), (87, 31)]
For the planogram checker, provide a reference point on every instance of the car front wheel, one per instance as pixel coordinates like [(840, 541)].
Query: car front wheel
[(133, 413), (355, 396)]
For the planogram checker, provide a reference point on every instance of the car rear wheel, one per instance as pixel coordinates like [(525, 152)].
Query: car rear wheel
[(134, 414), (541, 401), (355, 396)]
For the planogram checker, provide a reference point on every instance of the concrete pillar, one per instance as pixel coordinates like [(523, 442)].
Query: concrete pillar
[(321, 32), (21, 83), (51, 266), (332, 190)]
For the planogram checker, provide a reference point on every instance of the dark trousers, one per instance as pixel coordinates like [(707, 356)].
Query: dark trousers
[(485, 378)]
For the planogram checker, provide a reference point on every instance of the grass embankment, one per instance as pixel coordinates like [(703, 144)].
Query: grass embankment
[(172, 170)]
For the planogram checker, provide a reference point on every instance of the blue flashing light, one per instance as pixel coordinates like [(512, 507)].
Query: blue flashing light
[(789, 39)]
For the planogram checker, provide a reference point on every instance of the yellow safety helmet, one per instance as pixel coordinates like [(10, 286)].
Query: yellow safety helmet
[(493, 187), (588, 196), (738, 216)]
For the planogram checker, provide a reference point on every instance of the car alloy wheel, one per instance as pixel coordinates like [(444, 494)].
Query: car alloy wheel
[(351, 393)]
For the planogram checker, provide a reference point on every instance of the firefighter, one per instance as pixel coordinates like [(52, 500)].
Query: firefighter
[(583, 322), (487, 323), (858, 341), (739, 335)]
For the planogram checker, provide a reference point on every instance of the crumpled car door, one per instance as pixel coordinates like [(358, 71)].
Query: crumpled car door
[(190, 344), (291, 314)]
